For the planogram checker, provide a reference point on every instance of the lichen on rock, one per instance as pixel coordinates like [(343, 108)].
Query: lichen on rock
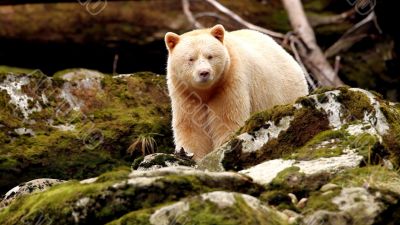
[(82, 117), (159, 160), (329, 158), (326, 124)]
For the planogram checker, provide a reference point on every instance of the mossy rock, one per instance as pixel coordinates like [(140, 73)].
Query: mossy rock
[(222, 208), (327, 123), (111, 196), (331, 156), (77, 124), (159, 160), (367, 195)]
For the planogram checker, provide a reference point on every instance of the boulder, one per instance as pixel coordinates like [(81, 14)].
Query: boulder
[(330, 158), (78, 123)]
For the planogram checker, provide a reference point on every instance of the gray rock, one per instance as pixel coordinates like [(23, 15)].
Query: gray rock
[(159, 160), (27, 188), (227, 207)]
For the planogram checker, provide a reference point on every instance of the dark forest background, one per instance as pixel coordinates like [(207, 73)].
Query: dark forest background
[(127, 36)]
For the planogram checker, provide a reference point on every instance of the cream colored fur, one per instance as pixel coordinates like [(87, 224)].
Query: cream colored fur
[(249, 72)]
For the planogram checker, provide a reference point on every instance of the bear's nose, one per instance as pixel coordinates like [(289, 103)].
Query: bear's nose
[(204, 74)]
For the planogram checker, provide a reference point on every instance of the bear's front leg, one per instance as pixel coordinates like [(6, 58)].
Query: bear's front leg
[(190, 132), (228, 114)]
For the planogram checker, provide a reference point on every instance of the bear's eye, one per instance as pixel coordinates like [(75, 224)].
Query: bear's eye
[(209, 57), (191, 59)]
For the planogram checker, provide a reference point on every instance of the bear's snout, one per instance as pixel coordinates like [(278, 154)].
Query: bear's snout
[(203, 76)]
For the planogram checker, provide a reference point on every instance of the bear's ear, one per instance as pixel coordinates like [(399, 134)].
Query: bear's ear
[(171, 40), (218, 31)]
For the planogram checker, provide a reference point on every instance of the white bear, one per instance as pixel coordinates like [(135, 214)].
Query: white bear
[(217, 79)]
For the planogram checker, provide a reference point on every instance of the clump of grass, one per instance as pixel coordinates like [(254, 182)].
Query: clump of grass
[(145, 143)]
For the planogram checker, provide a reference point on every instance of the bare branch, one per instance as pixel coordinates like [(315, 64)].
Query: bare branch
[(337, 64), (209, 14), (189, 14), (356, 33), (304, 47), (243, 22), (316, 21), (313, 58), (298, 59)]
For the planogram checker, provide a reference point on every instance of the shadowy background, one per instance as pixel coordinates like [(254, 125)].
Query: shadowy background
[(127, 36)]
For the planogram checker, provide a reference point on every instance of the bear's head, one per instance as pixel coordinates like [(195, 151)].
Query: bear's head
[(198, 57)]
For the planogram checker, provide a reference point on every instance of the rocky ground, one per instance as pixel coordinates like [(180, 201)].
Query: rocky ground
[(78, 123), (330, 158)]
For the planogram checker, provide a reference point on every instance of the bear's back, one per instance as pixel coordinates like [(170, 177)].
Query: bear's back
[(260, 44), (276, 78)]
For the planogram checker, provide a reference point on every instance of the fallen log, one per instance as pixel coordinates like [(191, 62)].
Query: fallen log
[(136, 22)]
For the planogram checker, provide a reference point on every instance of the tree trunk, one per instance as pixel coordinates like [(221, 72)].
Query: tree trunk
[(312, 56)]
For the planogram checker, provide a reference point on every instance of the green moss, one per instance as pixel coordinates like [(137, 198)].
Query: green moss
[(307, 122), (30, 208), (111, 197), (306, 102), (322, 98), (104, 128), (392, 138), (201, 213), (136, 162), (162, 160), (291, 180), (313, 149), (6, 163), (322, 90), (79, 73), (119, 173), (355, 104), (372, 176), (8, 112), (321, 201), (331, 143), (282, 176), (206, 212), (377, 94), (368, 146), (258, 120), (141, 217), (15, 70), (277, 198), (305, 125), (317, 153)]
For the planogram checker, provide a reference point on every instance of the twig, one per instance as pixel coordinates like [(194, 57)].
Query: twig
[(316, 21), (115, 64), (189, 15), (363, 22), (337, 64), (298, 58), (306, 51), (209, 14), (353, 35), (243, 22)]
